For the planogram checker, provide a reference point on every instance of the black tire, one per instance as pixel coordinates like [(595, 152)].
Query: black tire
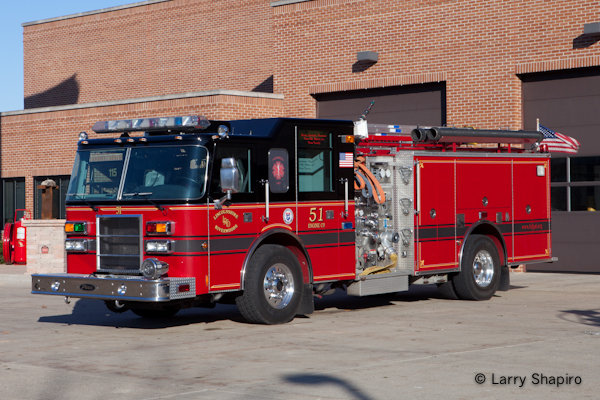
[(155, 314), (479, 275), (447, 290), (272, 286), (116, 306)]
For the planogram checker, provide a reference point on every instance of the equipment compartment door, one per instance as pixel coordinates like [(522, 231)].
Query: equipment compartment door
[(436, 196), (531, 210)]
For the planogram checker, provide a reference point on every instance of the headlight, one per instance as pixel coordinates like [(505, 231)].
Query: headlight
[(153, 268), (158, 246), (76, 245)]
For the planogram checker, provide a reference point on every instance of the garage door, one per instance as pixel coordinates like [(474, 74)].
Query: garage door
[(423, 104), (569, 102)]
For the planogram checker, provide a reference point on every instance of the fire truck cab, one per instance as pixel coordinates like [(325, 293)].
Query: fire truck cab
[(269, 213)]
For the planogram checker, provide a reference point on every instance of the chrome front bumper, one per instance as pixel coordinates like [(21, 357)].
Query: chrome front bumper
[(114, 287)]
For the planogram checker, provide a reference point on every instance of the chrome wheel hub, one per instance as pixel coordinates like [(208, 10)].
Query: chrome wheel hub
[(279, 286), (483, 268)]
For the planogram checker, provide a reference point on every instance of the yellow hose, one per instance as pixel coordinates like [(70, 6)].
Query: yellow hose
[(381, 270)]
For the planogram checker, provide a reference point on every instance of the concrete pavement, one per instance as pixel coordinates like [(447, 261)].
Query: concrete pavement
[(412, 345), (14, 273)]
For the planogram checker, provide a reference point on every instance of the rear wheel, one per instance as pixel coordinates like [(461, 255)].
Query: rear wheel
[(272, 286), (447, 290), (479, 275), (7, 248)]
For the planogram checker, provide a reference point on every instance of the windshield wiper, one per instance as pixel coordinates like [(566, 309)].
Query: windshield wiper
[(93, 207), (145, 196)]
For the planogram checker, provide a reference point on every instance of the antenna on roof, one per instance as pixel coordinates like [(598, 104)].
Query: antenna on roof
[(364, 115)]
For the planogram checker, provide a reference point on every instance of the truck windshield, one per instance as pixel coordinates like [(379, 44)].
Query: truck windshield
[(160, 173)]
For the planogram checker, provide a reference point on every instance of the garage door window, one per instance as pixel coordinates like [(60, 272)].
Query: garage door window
[(575, 184)]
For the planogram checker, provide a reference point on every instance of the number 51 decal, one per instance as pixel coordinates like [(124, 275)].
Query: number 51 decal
[(313, 214), (315, 220)]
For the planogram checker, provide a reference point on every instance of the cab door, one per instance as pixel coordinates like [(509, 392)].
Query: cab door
[(233, 228), (322, 157)]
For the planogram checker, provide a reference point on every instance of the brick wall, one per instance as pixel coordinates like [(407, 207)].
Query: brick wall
[(44, 143), (163, 48), (476, 46)]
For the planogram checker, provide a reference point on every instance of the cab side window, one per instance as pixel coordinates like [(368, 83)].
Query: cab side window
[(315, 148)]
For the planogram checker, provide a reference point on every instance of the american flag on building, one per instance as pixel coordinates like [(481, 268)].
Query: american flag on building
[(346, 160), (557, 142)]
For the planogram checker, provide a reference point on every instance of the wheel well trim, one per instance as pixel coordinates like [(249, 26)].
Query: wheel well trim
[(260, 240), (470, 232)]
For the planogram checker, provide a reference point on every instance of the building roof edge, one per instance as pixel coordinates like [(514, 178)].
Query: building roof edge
[(286, 2), (204, 93), (86, 13)]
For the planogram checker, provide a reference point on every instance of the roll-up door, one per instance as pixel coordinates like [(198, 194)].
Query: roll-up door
[(423, 104), (569, 102)]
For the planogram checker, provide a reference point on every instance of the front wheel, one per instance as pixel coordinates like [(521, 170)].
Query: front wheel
[(272, 287), (479, 275), (116, 306)]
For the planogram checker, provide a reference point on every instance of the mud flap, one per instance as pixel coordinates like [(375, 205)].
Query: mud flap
[(307, 304), (504, 279)]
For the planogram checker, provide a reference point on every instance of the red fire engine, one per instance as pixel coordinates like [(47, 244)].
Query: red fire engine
[(270, 213)]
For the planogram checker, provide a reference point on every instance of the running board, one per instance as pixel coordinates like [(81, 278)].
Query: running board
[(378, 284), (545, 260)]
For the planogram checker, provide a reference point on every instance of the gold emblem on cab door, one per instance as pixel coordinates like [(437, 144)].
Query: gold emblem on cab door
[(224, 221)]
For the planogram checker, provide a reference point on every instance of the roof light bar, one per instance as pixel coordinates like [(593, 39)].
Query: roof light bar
[(186, 123)]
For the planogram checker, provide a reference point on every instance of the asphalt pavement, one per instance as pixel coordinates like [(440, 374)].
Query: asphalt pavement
[(540, 340)]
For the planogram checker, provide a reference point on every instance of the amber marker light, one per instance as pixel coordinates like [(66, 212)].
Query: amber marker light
[(75, 227), (161, 227), (158, 228)]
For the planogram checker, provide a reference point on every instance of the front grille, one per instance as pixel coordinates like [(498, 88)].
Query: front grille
[(119, 244), (115, 225)]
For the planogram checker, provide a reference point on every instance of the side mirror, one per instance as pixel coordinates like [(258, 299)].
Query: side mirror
[(230, 181), (230, 176)]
